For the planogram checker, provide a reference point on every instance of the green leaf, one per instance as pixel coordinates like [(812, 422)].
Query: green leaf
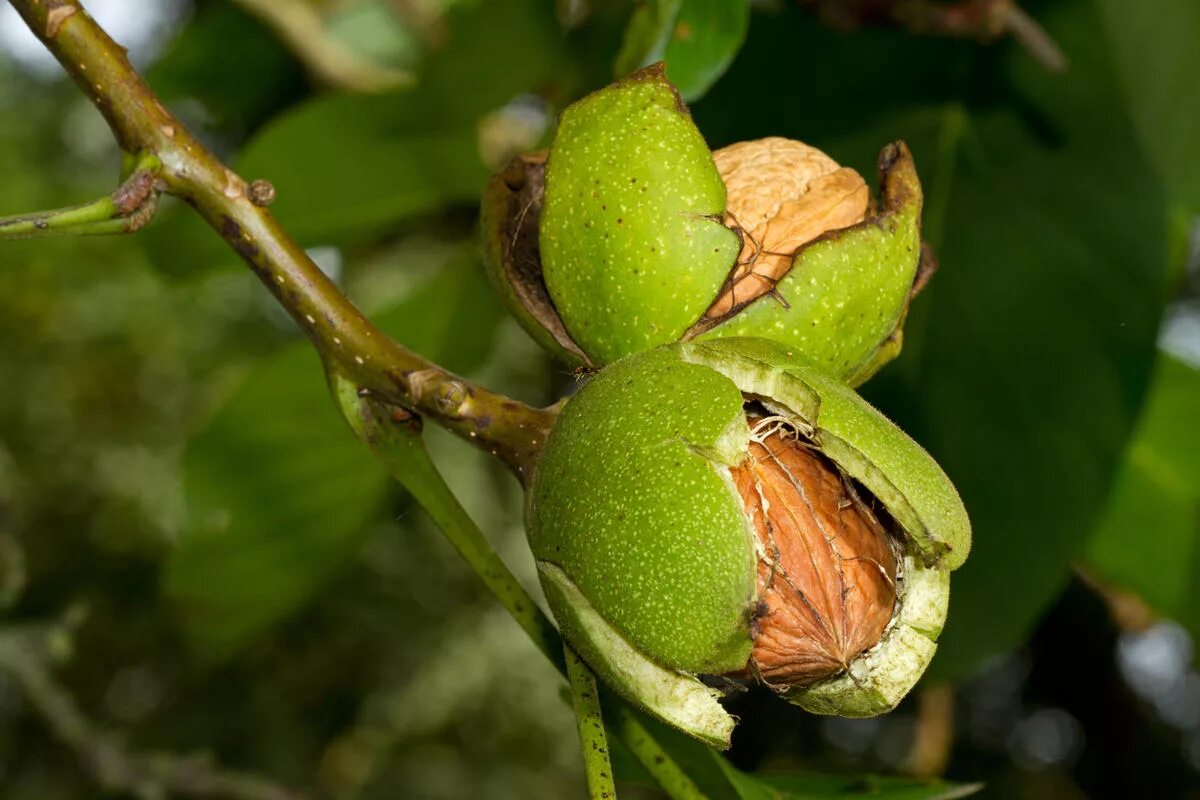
[(278, 489), (830, 787), (1027, 358), (188, 71), (1149, 537), (273, 490), (377, 31), (719, 780), (361, 169), (347, 167), (1157, 60), (696, 38)]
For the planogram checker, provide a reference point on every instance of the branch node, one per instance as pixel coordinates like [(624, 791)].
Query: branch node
[(133, 193)]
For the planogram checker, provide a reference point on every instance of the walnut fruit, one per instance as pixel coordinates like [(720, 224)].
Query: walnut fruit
[(724, 510), (630, 233)]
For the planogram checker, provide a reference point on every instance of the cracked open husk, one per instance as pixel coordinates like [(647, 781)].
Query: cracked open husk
[(629, 233), (662, 526)]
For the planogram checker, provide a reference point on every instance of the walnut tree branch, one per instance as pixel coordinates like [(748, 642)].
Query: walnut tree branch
[(345, 339)]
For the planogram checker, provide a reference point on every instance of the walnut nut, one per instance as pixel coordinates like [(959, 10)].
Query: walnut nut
[(826, 569)]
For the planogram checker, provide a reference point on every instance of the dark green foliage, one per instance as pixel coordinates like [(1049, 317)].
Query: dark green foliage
[(169, 457), (1026, 361)]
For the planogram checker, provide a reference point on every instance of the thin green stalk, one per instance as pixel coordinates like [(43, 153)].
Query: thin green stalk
[(126, 210), (396, 441), (650, 754), (98, 218), (593, 739), (394, 437)]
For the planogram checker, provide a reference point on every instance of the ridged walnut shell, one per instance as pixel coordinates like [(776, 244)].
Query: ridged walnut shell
[(826, 568), (781, 194)]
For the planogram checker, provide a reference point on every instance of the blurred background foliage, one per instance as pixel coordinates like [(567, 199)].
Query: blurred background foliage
[(235, 577)]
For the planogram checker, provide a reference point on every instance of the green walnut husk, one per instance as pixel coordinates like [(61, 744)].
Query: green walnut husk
[(647, 555), (614, 242)]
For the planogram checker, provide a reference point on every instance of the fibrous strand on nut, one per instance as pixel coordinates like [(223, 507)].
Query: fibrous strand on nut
[(827, 566)]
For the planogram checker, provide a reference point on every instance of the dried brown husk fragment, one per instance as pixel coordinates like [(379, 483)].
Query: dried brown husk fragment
[(781, 194), (512, 215), (827, 566)]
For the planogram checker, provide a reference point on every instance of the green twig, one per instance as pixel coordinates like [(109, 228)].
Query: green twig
[(394, 436), (650, 754), (592, 737), (126, 210)]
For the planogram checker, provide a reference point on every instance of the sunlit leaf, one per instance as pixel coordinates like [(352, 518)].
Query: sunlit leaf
[(1149, 538), (374, 29), (696, 38)]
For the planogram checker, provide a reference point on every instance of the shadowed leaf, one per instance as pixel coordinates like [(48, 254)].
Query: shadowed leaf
[(279, 491)]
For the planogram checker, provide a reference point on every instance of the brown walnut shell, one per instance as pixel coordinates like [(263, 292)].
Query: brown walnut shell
[(826, 564), (781, 194)]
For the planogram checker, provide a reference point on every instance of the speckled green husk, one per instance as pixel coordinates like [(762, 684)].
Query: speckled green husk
[(615, 243), (646, 554), (848, 290), (632, 245)]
